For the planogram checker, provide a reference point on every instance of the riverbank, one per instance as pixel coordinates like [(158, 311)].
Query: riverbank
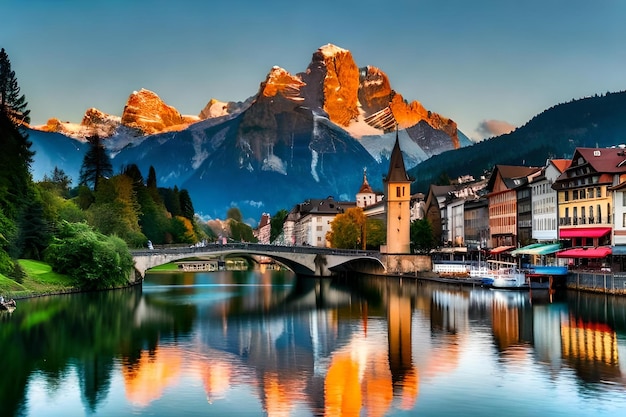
[(40, 280)]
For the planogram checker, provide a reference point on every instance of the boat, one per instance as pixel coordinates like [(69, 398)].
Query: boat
[(7, 305), (504, 275)]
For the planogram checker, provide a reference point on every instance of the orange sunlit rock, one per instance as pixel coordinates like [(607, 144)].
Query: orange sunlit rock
[(145, 381), (145, 111)]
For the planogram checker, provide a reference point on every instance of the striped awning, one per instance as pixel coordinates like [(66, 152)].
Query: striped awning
[(545, 249), (525, 250)]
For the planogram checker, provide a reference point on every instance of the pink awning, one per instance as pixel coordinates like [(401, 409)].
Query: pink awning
[(593, 232), (599, 252)]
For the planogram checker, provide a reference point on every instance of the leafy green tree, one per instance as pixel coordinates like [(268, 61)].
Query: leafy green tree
[(422, 236), (346, 230), (241, 232), (376, 233), (234, 213), (182, 230), (116, 210), (12, 103), (153, 217), (276, 224), (96, 164), (92, 259)]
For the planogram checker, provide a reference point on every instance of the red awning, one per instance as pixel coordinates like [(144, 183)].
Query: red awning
[(593, 232), (501, 249), (599, 252)]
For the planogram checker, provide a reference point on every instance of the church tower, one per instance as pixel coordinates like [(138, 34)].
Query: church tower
[(398, 197), (366, 196)]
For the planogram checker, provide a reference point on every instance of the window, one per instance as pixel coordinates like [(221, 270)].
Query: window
[(599, 214), (598, 192), (566, 193), (575, 195), (397, 191), (582, 193)]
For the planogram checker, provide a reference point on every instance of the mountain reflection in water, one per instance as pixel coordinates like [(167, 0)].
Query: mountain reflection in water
[(270, 343)]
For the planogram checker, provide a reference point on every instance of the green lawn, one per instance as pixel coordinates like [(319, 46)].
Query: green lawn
[(40, 279)]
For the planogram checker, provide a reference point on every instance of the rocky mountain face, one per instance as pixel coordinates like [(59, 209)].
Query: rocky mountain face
[(307, 135)]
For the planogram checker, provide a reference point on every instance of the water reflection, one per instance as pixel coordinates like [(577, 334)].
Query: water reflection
[(269, 343)]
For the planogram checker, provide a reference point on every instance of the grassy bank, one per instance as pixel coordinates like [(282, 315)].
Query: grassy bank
[(39, 280)]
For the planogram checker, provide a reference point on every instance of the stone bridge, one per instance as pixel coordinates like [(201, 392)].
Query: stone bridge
[(303, 260)]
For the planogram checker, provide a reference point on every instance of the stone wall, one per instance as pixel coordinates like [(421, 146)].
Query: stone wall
[(406, 264)]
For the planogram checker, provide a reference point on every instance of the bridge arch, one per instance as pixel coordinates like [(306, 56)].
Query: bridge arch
[(309, 261)]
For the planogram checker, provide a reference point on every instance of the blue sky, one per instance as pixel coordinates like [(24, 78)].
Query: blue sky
[(472, 61)]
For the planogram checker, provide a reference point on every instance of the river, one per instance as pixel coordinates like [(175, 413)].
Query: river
[(267, 343)]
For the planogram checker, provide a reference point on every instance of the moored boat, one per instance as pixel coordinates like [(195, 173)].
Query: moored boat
[(7, 305)]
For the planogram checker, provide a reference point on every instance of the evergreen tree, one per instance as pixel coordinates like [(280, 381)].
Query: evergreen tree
[(96, 164), (171, 200), (186, 206), (11, 102), (33, 231), (15, 160)]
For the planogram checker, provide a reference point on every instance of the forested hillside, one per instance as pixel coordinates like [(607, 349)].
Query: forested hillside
[(555, 133)]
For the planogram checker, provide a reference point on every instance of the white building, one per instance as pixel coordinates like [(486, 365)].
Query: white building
[(544, 202), (308, 222)]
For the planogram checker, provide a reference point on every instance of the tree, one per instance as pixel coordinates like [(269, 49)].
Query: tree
[(234, 213), (15, 160), (276, 223), (58, 182), (11, 102), (422, 237), (240, 231), (96, 164), (92, 259), (116, 210), (186, 206), (171, 200), (347, 229), (376, 233)]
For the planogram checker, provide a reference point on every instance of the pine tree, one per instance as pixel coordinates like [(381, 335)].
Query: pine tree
[(96, 164), (11, 102), (186, 206), (15, 160)]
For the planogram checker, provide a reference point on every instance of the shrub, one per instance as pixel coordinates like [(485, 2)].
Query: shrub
[(92, 259)]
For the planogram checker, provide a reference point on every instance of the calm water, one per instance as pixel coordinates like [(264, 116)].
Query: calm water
[(268, 343)]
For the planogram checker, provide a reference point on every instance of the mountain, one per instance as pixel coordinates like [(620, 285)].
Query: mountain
[(598, 121), (301, 136)]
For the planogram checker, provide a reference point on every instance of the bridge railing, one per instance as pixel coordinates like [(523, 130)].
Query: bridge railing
[(216, 247)]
